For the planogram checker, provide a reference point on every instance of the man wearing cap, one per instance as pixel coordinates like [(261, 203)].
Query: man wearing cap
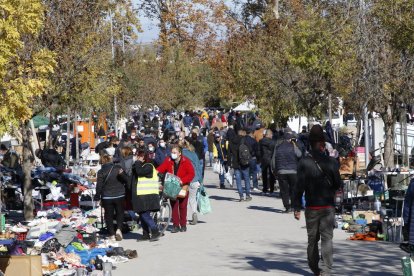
[(220, 148), (287, 156), (318, 176)]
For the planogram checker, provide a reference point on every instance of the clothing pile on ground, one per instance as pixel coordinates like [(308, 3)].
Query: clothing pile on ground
[(65, 239)]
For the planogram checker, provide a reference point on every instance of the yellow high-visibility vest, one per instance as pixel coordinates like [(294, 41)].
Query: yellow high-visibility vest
[(148, 186)]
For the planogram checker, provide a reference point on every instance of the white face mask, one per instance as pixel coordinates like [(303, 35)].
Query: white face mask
[(174, 156), (162, 145), (151, 149)]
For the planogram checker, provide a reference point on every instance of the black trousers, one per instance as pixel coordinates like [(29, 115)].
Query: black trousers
[(114, 208), (287, 183), (268, 179)]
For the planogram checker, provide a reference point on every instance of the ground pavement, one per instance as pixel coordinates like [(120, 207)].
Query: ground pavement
[(251, 238)]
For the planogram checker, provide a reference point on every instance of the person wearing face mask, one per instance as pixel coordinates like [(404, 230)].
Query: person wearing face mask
[(161, 153), (151, 152), (145, 196), (180, 166)]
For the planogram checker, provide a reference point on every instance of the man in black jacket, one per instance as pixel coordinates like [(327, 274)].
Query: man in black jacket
[(267, 145), (255, 153), (287, 156), (240, 171), (318, 176)]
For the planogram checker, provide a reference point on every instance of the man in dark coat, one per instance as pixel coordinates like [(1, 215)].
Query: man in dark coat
[(240, 171), (318, 177), (267, 145)]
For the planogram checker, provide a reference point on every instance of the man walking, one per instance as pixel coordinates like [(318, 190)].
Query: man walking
[(254, 152), (267, 145), (318, 176), (287, 155), (239, 160)]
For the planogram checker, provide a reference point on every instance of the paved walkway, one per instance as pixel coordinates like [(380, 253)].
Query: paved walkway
[(251, 238)]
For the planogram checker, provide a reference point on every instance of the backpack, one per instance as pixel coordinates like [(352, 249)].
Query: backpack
[(244, 154)]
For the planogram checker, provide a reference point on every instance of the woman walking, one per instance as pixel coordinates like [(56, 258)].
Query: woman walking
[(110, 190), (180, 166), (145, 195)]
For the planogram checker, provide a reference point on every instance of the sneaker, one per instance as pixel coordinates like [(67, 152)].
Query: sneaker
[(241, 199), (175, 229), (248, 198), (255, 190), (222, 186), (183, 229), (118, 235), (156, 234), (145, 237), (287, 211), (195, 219)]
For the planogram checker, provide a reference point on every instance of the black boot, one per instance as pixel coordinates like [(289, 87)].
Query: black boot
[(155, 235), (145, 236), (175, 229)]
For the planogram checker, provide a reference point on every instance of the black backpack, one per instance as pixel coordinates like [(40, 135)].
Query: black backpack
[(244, 154)]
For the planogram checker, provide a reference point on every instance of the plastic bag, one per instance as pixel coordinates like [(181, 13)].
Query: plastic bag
[(172, 186), (204, 206), (229, 177), (218, 168)]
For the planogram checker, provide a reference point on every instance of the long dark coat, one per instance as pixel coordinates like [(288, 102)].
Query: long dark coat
[(143, 203)]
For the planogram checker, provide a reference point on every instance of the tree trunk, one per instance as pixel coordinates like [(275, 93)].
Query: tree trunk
[(275, 9), (389, 127), (27, 167), (76, 134), (68, 138)]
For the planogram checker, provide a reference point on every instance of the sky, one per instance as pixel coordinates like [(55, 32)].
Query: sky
[(150, 28)]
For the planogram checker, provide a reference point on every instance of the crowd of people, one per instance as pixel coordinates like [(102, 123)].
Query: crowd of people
[(246, 151)]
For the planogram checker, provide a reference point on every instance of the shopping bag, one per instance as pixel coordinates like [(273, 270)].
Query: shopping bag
[(407, 266), (229, 177), (204, 206), (217, 167), (172, 186)]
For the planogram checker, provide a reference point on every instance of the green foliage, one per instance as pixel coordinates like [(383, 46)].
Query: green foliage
[(24, 66)]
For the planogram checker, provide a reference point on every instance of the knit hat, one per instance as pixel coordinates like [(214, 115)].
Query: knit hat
[(316, 134)]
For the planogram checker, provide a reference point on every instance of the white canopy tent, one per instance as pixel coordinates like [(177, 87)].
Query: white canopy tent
[(246, 106)]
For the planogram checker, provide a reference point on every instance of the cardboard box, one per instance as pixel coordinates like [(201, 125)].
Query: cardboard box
[(21, 265)]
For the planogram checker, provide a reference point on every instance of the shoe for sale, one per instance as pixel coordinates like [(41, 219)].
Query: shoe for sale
[(248, 198), (155, 235), (145, 237), (118, 235), (131, 254), (175, 229), (183, 229), (195, 219)]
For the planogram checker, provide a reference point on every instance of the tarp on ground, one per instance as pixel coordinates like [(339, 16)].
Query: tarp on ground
[(246, 106)]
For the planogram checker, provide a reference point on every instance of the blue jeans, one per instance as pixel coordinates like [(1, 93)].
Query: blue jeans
[(147, 222), (242, 174), (210, 157), (253, 172), (221, 176)]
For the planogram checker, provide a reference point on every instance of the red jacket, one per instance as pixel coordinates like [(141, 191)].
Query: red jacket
[(185, 170)]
